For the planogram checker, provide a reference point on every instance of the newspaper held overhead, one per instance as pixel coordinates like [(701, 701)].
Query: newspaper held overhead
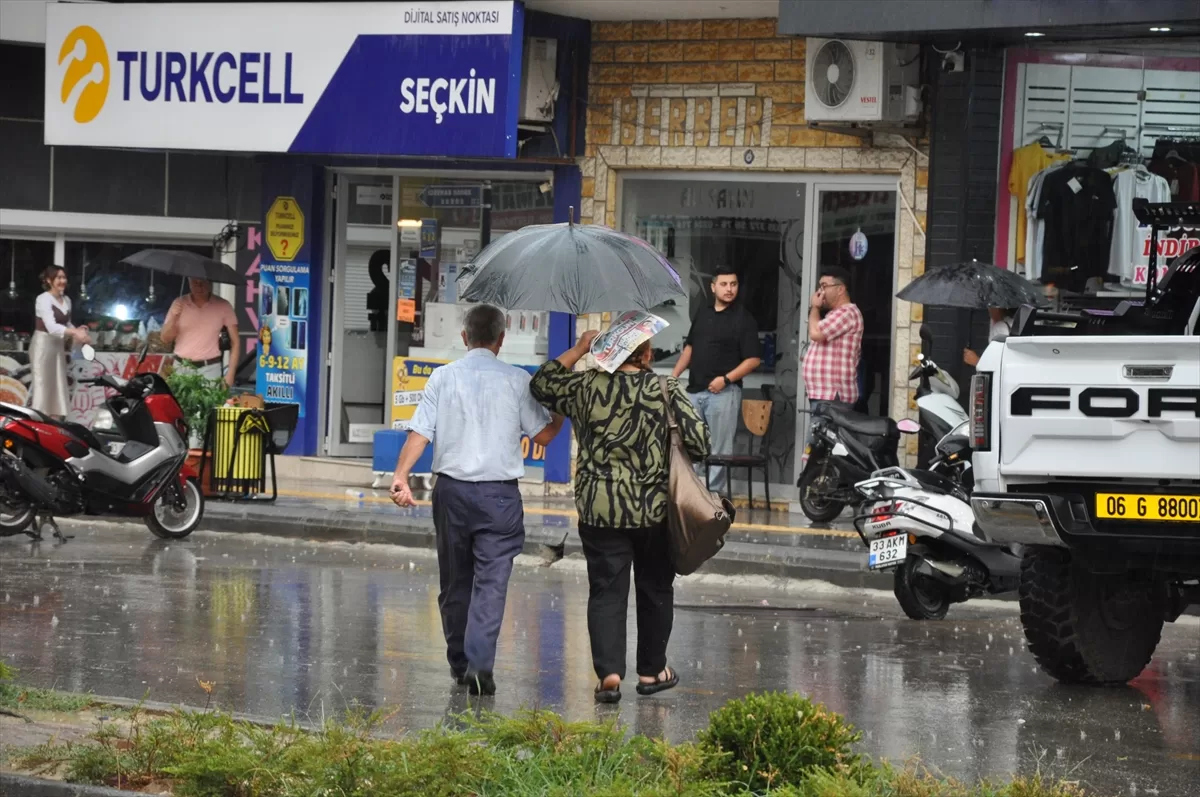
[(613, 346)]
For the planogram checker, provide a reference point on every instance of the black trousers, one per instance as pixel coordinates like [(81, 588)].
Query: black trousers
[(610, 554)]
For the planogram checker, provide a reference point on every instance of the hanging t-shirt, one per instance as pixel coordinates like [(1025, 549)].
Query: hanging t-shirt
[(1128, 185), (1182, 176), (1035, 229), (1077, 204), (1026, 162)]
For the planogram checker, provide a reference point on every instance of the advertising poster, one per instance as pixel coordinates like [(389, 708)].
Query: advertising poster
[(283, 305), (409, 376)]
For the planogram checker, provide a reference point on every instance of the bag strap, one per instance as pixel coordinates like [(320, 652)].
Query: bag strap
[(666, 392)]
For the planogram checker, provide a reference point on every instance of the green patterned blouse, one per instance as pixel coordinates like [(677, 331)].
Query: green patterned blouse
[(621, 425)]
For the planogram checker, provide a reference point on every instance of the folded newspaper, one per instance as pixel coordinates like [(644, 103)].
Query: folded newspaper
[(613, 346)]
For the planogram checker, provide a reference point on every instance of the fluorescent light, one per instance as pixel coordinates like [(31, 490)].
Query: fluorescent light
[(1033, 34), (409, 223), (1160, 30), (120, 312)]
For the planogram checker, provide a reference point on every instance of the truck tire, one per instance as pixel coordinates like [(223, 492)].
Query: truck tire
[(1084, 627)]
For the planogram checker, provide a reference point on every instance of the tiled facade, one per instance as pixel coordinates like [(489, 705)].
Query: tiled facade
[(729, 95)]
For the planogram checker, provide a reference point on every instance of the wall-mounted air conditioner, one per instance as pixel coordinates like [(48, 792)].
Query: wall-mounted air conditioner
[(858, 81)]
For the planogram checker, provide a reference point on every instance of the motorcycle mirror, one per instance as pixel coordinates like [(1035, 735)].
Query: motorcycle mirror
[(88, 352), (908, 426)]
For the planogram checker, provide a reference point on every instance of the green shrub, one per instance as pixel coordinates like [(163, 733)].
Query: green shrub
[(766, 741), (197, 395)]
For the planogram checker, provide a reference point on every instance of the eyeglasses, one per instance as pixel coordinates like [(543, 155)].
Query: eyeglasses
[(827, 285)]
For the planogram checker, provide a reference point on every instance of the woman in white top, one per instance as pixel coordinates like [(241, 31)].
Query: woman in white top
[(52, 336), (1001, 328)]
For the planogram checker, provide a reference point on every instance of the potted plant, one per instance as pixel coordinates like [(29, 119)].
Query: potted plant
[(197, 396)]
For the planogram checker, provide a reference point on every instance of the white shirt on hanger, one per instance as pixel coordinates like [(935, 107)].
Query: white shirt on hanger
[(1035, 228), (1130, 184)]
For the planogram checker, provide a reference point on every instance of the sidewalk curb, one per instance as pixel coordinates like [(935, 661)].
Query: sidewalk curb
[(838, 567), (21, 786)]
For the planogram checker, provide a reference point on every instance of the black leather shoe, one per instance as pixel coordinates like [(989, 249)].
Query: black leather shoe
[(460, 678), (481, 683)]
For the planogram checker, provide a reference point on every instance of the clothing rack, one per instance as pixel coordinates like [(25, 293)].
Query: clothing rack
[(1055, 126)]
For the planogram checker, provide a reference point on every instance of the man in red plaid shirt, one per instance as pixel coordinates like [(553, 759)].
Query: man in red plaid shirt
[(831, 363)]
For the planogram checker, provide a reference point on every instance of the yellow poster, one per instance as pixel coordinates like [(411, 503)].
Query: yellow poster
[(409, 377)]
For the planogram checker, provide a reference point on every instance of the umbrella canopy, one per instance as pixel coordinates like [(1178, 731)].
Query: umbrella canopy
[(182, 264), (972, 285), (571, 268)]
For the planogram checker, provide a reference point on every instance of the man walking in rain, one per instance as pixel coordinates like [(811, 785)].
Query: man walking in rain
[(474, 411)]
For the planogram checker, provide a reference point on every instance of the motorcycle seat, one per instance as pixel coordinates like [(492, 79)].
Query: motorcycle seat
[(859, 423), (27, 413)]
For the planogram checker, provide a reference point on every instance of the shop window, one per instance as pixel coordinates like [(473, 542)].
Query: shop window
[(21, 262), (22, 81), (91, 180), (208, 186), (756, 227), (116, 291), (25, 164)]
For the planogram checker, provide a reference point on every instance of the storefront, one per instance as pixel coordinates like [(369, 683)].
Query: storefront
[(373, 190), (698, 142)]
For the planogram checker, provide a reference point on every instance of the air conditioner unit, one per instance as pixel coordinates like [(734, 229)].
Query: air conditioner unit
[(856, 81)]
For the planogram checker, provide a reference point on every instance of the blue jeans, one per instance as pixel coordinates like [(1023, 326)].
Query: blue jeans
[(720, 412)]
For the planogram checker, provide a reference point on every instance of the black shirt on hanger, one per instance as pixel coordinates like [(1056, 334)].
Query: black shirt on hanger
[(1077, 204)]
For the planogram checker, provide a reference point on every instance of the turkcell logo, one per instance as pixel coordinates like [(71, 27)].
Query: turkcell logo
[(174, 76), (441, 96), (169, 76)]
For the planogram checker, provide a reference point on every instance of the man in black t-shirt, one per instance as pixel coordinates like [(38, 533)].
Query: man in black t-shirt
[(721, 348)]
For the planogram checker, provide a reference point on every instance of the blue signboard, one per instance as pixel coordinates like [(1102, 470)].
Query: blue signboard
[(451, 196)]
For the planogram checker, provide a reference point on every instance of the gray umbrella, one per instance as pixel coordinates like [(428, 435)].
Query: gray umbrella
[(571, 268), (972, 285), (183, 264)]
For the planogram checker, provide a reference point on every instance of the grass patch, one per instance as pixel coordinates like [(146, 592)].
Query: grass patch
[(751, 747), (19, 698)]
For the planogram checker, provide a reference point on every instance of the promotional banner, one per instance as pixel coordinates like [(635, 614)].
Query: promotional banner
[(1171, 244), (284, 304), (409, 377), (432, 78)]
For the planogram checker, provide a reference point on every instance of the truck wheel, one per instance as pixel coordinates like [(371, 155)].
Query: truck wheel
[(921, 598), (1084, 627)]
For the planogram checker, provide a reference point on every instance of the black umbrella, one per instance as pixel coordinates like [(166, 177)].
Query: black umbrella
[(183, 264), (571, 268), (972, 285)]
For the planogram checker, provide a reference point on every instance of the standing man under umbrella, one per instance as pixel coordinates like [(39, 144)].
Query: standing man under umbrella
[(194, 324), (720, 350)]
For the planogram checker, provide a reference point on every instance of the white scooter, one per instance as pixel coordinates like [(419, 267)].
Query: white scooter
[(919, 524)]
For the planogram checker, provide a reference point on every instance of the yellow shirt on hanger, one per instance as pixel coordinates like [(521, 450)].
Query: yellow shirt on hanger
[(1027, 161)]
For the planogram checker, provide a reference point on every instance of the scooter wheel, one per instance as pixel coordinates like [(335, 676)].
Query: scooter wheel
[(15, 517), (814, 486), (919, 597), (170, 523)]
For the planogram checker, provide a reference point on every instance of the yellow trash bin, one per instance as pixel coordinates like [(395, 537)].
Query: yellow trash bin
[(238, 438)]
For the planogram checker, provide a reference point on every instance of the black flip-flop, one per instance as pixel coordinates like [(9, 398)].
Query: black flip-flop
[(659, 685), (607, 695)]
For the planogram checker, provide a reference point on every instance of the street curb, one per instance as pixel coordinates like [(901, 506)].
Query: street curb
[(21, 786)]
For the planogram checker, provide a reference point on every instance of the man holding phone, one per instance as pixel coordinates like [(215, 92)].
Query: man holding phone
[(835, 333)]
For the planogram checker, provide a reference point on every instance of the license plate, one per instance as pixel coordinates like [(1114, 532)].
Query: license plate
[(1153, 508), (887, 552)]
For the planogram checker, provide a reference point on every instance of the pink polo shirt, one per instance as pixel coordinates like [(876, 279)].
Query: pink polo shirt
[(200, 327)]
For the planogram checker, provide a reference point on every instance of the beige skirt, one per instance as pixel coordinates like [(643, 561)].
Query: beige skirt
[(48, 360)]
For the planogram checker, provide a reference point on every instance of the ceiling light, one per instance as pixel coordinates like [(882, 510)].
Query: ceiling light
[(1033, 34), (1160, 30)]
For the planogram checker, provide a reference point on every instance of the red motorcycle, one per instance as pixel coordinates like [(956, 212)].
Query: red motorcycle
[(136, 468)]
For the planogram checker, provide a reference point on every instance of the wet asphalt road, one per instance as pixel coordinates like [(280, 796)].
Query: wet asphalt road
[(282, 625)]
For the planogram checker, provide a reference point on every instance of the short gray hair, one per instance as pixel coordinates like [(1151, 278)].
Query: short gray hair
[(484, 324)]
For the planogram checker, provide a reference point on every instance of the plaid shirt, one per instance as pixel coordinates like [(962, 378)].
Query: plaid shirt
[(831, 365)]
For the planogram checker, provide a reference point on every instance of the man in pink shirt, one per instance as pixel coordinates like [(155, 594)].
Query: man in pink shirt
[(831, 362), (194, 325)]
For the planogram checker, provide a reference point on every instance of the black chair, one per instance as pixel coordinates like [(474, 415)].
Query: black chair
[(756, 415)]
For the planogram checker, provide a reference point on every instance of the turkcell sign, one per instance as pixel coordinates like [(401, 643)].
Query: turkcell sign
[(437, 78)]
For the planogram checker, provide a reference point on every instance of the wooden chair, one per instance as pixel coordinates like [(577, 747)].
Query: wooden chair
[(756, 415)]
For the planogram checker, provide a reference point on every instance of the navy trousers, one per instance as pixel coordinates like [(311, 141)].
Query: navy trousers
[(480, 530)]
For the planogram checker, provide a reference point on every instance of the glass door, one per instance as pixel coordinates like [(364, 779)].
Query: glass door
[(854, 228), (363, 298)]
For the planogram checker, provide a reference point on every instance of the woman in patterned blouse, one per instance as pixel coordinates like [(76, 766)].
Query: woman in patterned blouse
[(621, 494)]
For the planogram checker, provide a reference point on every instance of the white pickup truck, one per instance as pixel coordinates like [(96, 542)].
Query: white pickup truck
[(1087, 454)]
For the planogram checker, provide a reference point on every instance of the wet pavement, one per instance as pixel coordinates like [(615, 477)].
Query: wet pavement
[(287, 625)]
